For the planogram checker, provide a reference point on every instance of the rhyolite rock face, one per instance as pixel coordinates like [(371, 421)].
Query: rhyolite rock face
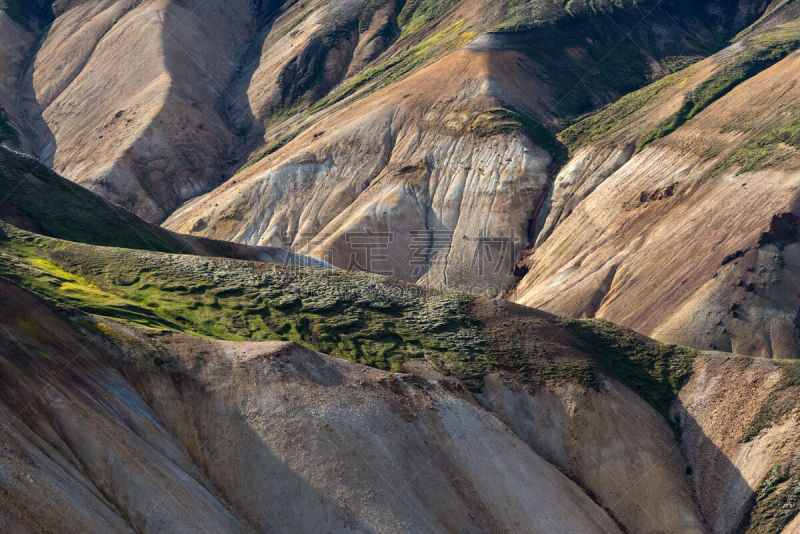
[(545, 423), (426, 141), (405, 120), (690, 238)]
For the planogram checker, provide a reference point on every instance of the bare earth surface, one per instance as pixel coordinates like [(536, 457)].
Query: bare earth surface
[(631, 161)]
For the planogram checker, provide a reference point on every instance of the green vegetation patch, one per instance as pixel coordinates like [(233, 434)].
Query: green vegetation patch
[(776, 501), (358, 316), (363, 317), (532, 361), (760, 52), (496, 121), (617, 115), (519, 15), (764, 151), (393, 68), (653, 370), (269, 149), (40, 199), (417, 14), (673, 64), (781, 401)]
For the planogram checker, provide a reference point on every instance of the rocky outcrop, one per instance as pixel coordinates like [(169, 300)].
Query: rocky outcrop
[(398, 172)]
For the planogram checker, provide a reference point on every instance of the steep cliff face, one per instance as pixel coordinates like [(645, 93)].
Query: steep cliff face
[(416, 162), (677, 214)]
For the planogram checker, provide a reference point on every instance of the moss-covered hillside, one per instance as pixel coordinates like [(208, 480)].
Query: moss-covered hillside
[(359, 316), (36, 198), (750, 55)]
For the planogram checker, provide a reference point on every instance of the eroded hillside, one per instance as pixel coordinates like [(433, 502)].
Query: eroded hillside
[(127, 371), (633, 162), (418, 139), (677, 214), (406, 119)]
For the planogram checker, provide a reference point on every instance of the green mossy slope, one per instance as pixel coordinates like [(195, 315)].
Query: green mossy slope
[(749, 57), (358, 316), (39, 199), (655, 371), (363, 317), (775, 502), (760, 52)]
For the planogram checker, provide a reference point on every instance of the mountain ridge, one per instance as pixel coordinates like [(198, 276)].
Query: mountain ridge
[(579, 379), (400, 266)]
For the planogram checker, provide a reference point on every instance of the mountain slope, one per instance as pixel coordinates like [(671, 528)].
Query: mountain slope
[(566, 389), (153, 381), (691, 236), (450, 164), (187, 440), (39, 200), (183, 352), (373, 320), (292, 89)]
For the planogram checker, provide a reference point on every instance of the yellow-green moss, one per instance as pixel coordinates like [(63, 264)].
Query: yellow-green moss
[(656, 371), (775, 503), (759, 53), (359, 316)]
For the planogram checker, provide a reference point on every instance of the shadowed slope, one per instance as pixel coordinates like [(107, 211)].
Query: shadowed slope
[(553, 381), (37, 199)]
